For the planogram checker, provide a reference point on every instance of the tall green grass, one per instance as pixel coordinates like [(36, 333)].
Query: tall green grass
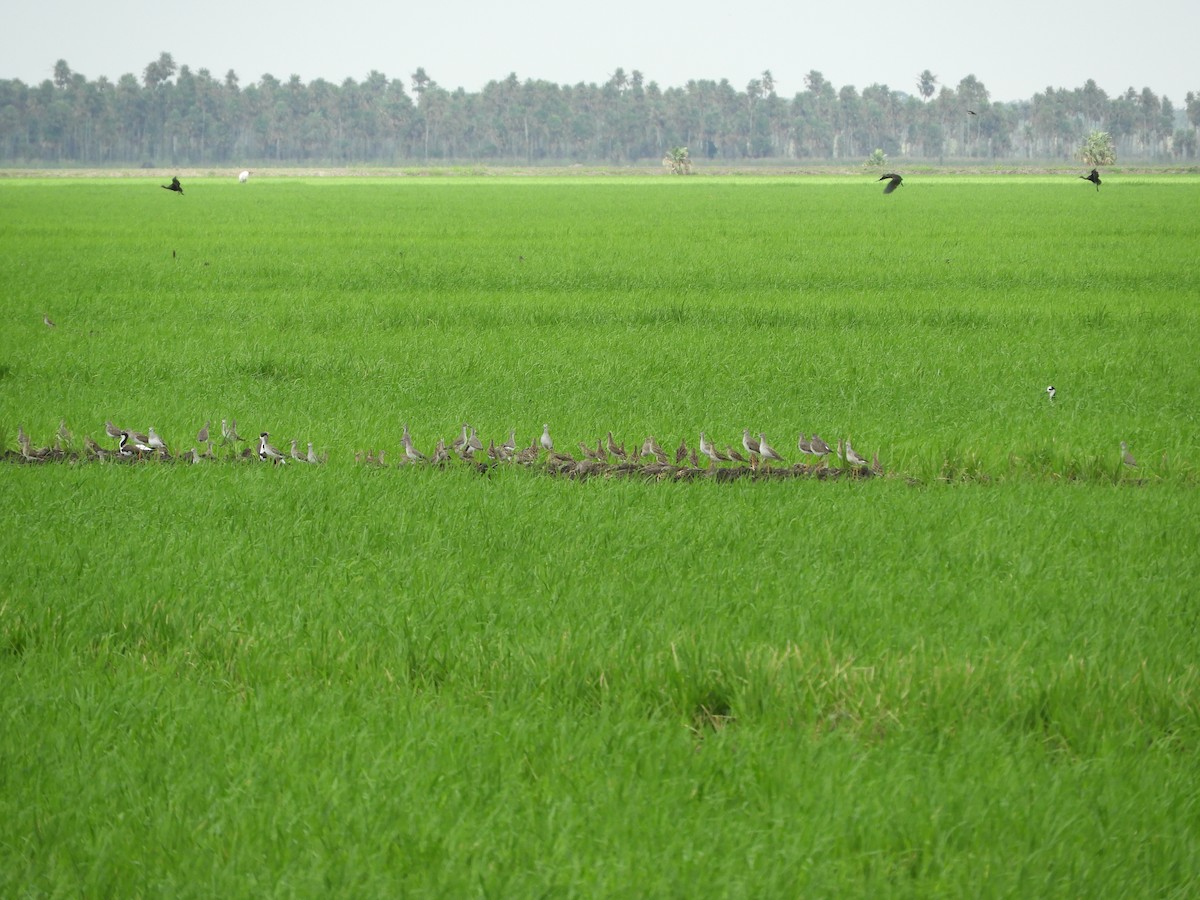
[(236, 679)]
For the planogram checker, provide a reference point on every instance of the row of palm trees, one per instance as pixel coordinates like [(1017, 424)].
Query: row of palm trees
[(173, 116)]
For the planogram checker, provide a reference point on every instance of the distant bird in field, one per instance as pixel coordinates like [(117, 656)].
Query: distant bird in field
[(1127, 457), (155, 442), (173, 186), (48, 322), (244, 177), (819, 447), (1093, 177), (202, 434), (547, 443), (971, 112), (894, 183), (766, 450), (266, 451), (749, 444), (851, 457), (1050, 392)]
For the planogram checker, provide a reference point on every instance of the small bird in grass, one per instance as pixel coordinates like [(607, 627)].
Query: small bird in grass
[(803, 445), (112, 430), (155, 441), (613, 448), (473, 441), (546, 442), (1050, 392), (173, 186), (681, 452), (708, 449), (749, 444), (510, 446), (311, 458), (48, 322), (295, 451), (202, 434), (233, 435), (459, 443), (244, 177), (766, 450), (1094, 177), (195, 456), (267, 452), (91, 446), (1127, 457), (819, 447), (894, 183), (413, 454), (64, 433), (853, 458)]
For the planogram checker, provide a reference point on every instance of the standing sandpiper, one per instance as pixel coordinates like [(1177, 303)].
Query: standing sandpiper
[(547, 443), (1127, 457), (766, 450)]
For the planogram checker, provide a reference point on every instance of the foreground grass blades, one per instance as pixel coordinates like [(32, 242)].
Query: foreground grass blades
[(977, 678)]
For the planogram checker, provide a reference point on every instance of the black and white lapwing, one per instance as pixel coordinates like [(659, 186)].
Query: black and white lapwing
[(1050, 392), (267, 452)]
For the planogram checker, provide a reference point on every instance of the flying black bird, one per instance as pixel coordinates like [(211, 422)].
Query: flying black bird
[(1093, 177), (971, 112), (173, 186), (893, 184)]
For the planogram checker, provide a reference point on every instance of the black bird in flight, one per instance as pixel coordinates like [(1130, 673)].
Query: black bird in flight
[(1093, 177), (893, 184), (173, 186), (971, 112)]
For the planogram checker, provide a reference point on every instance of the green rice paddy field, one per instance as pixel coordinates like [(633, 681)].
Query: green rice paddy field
[(975, 676)]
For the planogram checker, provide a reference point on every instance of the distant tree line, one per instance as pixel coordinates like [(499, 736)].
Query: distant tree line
[(174, 116)]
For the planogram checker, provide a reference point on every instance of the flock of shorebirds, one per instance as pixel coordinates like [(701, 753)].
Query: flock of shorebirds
[(133, 446), (755, 458)]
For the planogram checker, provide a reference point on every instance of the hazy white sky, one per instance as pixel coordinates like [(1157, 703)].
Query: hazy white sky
[(1015, 48)]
